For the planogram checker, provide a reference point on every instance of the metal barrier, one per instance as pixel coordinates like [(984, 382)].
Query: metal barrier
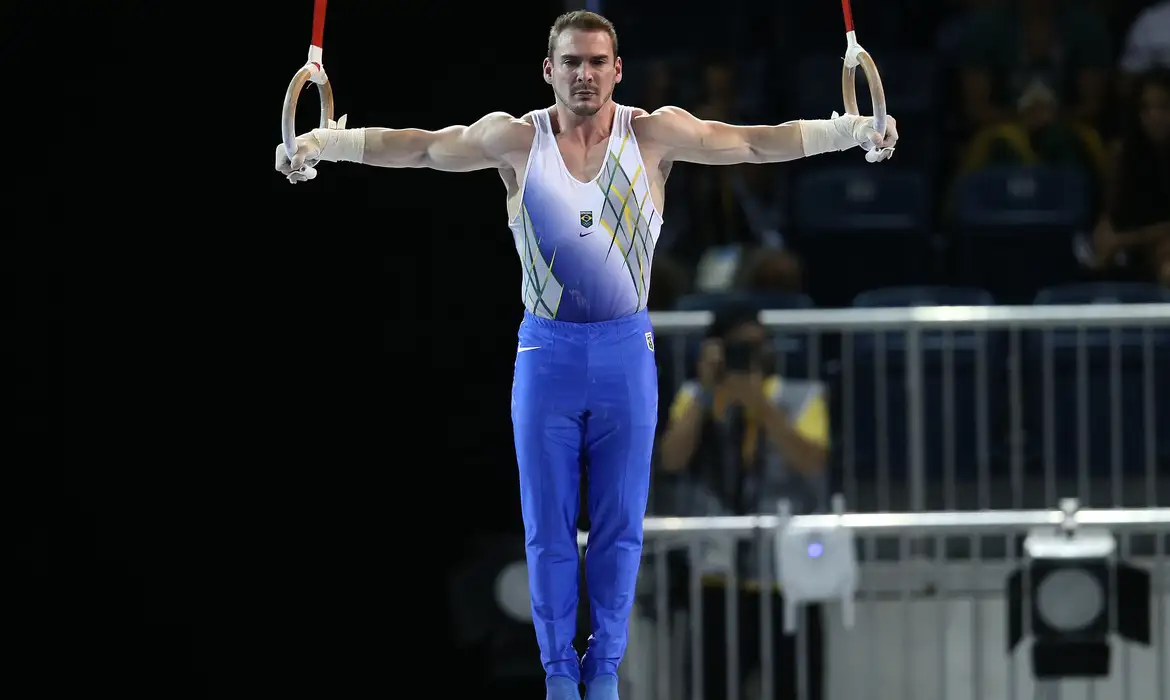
[(931, 629), (971, 407)]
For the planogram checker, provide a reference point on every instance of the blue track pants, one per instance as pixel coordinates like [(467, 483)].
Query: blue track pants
[(584, 390)]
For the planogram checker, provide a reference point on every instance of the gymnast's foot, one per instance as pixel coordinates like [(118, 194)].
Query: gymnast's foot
[(562, 688), (603, 687)]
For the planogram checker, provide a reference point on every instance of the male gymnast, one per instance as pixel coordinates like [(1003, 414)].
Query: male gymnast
[(585, 183)]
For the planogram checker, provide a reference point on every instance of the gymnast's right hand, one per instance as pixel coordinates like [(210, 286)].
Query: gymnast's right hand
[(300, 167)]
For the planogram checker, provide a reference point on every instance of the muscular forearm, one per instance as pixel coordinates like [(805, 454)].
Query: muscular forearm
[(805, 456), (400, 148), (799, 139), (452, 149), (679, 136), (774, 144), (387, 148)]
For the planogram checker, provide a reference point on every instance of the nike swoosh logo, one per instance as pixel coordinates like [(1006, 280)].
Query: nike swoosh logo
[(526, 349), (584, 233)]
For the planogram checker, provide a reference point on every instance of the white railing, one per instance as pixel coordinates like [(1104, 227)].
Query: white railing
[(931, 619), (1098, 457), (933, 318), (928, 628)]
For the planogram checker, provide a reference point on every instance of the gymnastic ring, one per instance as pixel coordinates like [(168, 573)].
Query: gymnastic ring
[(288, 127), (877, 93)]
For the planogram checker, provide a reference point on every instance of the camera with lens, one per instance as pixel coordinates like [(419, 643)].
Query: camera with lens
[(742, 356)]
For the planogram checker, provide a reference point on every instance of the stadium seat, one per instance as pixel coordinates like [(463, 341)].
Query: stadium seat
[(1015, 228), (862, 227), (861, 199), (1126, 370), (907, 77), (1104, 293), (909, 80), (954, 364)]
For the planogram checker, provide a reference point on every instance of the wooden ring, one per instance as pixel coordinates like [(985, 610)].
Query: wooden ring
[(288, 126), (877, 94)]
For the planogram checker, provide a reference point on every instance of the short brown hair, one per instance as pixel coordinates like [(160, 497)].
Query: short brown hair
[(583, 20)]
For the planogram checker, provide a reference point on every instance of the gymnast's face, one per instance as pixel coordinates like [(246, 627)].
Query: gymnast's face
[(583, 70)]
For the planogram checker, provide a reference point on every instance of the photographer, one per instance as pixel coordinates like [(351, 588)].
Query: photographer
[(740, 439)]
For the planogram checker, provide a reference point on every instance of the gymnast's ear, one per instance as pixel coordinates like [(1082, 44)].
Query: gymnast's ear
[(546, 69), (617, 69)]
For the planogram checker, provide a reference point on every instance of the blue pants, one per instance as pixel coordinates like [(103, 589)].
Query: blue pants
[(584, 390)]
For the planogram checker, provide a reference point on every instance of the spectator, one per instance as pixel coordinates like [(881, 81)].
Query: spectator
[(738, 440), (1133, 235), (1147, 44), (1039, 134), (671, 281), (1007, 48)]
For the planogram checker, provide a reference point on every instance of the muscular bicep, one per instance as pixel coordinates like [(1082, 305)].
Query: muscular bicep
[(488, 143), (454, 149), (680, 136), (482, 145)]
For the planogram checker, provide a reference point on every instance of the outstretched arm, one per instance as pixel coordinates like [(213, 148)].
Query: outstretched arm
[(482, 145), (453, 149), (681, 136)]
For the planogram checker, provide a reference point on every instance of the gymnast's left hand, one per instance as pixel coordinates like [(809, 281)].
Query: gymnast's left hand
[(300, 167), (877, 147)]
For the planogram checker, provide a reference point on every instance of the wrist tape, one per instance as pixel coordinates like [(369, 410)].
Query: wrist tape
[(819, 136), (341, 145)]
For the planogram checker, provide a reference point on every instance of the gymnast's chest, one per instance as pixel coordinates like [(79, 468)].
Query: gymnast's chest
[(583, 164)]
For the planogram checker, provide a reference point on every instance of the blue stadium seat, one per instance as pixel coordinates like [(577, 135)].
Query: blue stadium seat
[(790, 350), (864, 227), (1016, 227), (1104, 293), (911, 296), (1125, 370), (861, 199), (908, 78), (954, 365), (922, 148), (818, 79), (1003, 199)]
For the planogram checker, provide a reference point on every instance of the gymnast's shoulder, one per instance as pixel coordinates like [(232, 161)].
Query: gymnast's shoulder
[(668, 117), (502, 133)]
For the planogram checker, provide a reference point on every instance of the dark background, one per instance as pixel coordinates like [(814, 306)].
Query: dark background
[(283, 414), (286, 406)]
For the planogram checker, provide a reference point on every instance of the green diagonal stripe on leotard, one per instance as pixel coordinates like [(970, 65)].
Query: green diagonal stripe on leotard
[(537, 286), (618, 227)]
